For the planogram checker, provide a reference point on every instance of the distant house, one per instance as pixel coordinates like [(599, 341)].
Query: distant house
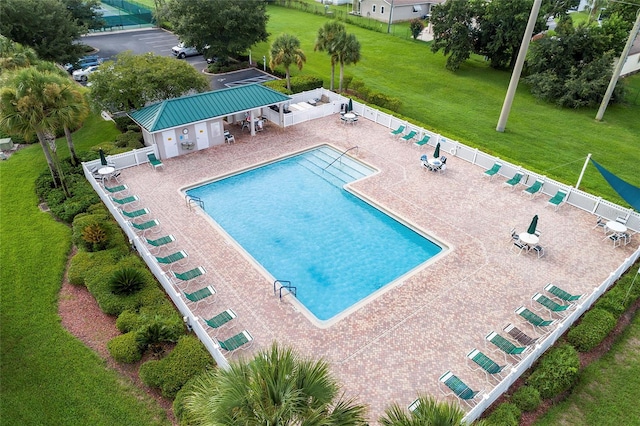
[(632, 64), (394, 10)]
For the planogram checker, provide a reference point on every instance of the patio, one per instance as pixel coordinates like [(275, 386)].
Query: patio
[(399, 344)]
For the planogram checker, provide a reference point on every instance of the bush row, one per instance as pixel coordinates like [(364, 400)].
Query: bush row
[(299, 84), (558, 370)]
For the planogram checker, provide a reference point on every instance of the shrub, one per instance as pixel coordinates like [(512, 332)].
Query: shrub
[(613, 301), (95, 236), (153, 333), (178, 403), (128, 321), (130, 139), (126, 281), (124, 348), (279, 86), (123, 122), (114, 236), (83, 262), (506, 414), (388, 102), (527, 398), (557, 371), (302, 83), (594, 327), (187, 359)]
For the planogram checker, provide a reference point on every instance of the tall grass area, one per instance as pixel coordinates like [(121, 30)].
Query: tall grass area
[(607, 392), (466, 105), (49, 377)]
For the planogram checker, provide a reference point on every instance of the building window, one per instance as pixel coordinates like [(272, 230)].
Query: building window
[(373, 8), (381, 10), (417, 8)]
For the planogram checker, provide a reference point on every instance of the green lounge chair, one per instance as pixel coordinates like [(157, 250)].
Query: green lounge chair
[(221, 319), (160, 242), (561, 294), (550, 305), (190, 274), (533, 319), (125, 200), (514, 181), (201, 294), (534, 189), (423, 141), (173, 258), (505, 345), (491, 173), (236, 342), (153, 161), (457, 386), (398, 131), (557, 200), (145, 226), (519, 335), (134, 213), (487, 365), (412, 134), (114, 189)]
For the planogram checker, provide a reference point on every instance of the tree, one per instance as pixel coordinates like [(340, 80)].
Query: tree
[(220, 28), (454, 31), (574, 69), (45, 25), (14, 55), (86, 13), (276, 387), (416, 26), (626, 9), (76, 111), (428, 412), (285, 51), (328, 34), (133, 81), (347, 52), (501, 26), (39, 103)]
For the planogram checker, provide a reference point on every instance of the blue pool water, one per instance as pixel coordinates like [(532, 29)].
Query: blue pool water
[(300, 224)]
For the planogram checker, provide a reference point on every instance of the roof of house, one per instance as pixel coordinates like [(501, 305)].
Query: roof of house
[(176, 112), (397, 3)]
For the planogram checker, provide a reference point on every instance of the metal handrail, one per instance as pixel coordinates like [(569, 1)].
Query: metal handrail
[(292, 289), (192, 198), (340, 156)]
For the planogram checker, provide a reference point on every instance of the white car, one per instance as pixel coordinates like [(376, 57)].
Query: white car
[(83, 74), (181, 52)]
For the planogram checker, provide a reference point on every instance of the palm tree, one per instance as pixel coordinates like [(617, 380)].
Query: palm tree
[(75, 111), (40, 103), (429, 412), (14, 55), (326, 41), (285, 51), (276, 387), (348, 52)]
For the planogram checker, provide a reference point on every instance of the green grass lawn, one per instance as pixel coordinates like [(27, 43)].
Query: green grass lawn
[(466, 105), (607, 392), (49, 377)]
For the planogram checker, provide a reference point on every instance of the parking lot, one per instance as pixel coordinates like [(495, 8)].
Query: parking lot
[(160, 42)]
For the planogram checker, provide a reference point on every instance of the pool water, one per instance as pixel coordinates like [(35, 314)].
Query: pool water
[(298, 222)]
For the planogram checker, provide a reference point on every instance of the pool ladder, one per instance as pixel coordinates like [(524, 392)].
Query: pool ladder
[(286, 285), (192, 199), (340, 156)]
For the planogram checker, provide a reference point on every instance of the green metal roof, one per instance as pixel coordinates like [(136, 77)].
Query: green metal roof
[(176, 112)]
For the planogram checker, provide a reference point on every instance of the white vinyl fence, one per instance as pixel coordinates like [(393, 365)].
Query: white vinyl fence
[(575, 197)]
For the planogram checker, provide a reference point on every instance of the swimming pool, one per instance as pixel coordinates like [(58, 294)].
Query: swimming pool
[(296, 220)]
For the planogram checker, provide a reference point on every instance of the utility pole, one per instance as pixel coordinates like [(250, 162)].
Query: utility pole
[(390, 18), (517, 69), (616, 72)]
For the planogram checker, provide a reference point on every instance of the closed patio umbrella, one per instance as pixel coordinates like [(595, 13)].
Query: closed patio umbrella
[(436, 153), (350, 106), (103, 159), (532, 227)]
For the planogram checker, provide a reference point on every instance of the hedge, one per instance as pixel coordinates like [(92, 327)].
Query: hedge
[(527, 398), (557, 371), (506, 414), (169, 374), (593, 329), (124, 348), (83, 262)]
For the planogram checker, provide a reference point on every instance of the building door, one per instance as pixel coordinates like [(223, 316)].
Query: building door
[(170, 143), (202, 137)]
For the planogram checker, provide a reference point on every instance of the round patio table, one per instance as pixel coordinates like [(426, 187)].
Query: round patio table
[(530, 239), (616, 226)]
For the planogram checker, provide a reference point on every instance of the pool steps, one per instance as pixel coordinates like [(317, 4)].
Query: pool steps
[(339, 173)]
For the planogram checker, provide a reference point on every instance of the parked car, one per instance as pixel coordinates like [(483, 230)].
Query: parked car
[(84, 62), (83, 74), (181, 51)]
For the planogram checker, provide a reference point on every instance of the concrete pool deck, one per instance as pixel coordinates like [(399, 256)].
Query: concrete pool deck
[(397, 345)]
